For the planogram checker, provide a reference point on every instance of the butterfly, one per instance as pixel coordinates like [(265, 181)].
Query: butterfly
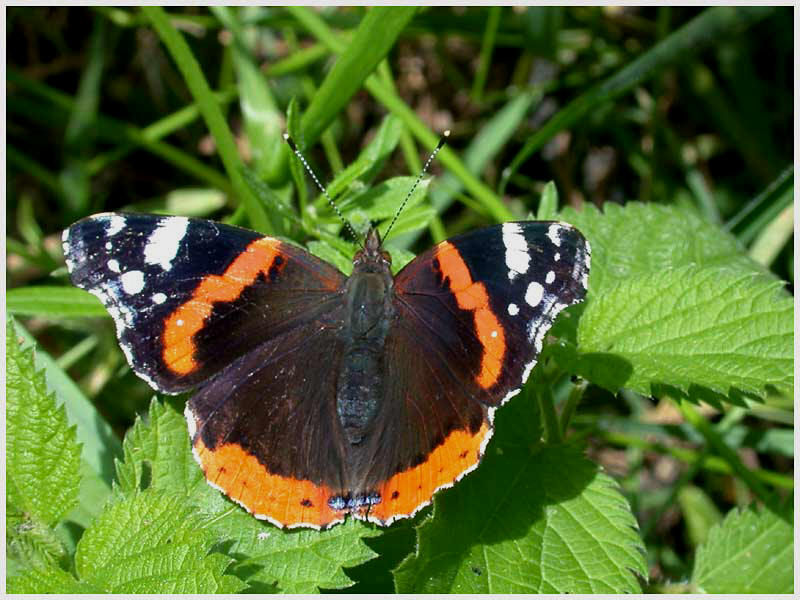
[(316, 394)]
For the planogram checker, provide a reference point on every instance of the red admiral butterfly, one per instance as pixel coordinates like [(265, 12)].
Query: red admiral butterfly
[(317, 394)]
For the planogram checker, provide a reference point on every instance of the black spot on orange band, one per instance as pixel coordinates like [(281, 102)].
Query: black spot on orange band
[(408, 490), (284, 500)]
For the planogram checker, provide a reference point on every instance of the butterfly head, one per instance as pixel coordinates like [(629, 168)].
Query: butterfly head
[(372, 254)]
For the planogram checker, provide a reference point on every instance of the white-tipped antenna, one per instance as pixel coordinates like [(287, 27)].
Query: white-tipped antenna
[(428, 162), (302, 158)]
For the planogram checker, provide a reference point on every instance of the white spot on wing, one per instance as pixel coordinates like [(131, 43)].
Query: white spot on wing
[(113, 265), (162, 245), (159, 298), (132, 282), (557, 256), (494, 334), (551, 277), (554, 233), (534, 293), (116, 223), (191, 422), (513, 309), (517, 257)]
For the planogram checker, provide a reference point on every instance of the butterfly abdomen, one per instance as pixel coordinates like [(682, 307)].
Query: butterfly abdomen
[(360, 378)]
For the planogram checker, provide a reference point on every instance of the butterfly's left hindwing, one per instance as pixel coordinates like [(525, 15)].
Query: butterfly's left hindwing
[(188, 295)]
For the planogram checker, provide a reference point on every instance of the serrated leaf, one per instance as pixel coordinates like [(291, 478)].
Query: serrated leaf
[(644, 239), (269, 559), (53, 301), (527, 521), (692, 329), (750, 552), (51, 580), (152, 542), (42, 452)]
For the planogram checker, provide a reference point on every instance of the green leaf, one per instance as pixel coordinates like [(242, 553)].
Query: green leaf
[(707, 28), (699, 513), (207, 103), (53, 301), (375, 36), (643, 239), (153, 543), (50, 580), (262, 118), (158, 456), (691, 329), (327, 252), (750, 552), (370, 159), (99, 444), (42, 453), (383, 200), (528, 521)]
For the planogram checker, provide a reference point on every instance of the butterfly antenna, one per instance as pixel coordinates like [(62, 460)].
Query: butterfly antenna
[(428, 162), (302, 158)]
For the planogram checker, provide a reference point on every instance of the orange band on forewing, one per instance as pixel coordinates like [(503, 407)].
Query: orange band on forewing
[(283, 499), (408, 490), (188, 319), (472, 295)]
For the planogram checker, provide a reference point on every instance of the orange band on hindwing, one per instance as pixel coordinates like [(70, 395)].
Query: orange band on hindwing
[(286, 501), (181, 326), (471, 295), (408, 490)]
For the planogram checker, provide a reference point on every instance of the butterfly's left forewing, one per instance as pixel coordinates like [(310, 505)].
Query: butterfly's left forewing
[(188, 296)]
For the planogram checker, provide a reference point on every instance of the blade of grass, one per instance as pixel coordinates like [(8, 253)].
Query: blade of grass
[(114, 130), (158, 130), (34, 169), (700, 32), (485, 57), (78, 137), (392, 102), (763, 209), (53, 301), (372, 41), (262, 118), (198, 86), (773, 238), (714, 440)]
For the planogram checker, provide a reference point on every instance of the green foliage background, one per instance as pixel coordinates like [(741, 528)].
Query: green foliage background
[(652, 449)]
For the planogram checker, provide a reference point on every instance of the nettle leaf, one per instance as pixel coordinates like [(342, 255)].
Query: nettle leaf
[(383, 200), (750, 552), (691, 329), (50, 580), (644, 239), (152, 542), (269, 559), (42, 452), (527, 521), (674, 305)]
